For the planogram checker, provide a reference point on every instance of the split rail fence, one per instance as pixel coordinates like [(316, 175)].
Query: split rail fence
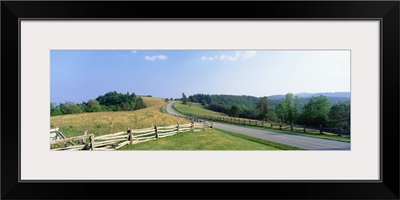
[(278, 126), (117, 140)]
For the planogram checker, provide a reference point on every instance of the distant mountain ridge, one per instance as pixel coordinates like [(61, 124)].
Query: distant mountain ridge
[(308, 95), (327, 94)]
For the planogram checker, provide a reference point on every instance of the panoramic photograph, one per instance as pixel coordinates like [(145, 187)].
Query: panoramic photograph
[(107, 100)]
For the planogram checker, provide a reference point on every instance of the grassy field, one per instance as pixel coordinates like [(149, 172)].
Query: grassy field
[(101, 123), (199, 110), (209, 140), (195, 109)]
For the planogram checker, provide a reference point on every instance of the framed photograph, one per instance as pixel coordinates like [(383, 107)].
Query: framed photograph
[(290, 96)]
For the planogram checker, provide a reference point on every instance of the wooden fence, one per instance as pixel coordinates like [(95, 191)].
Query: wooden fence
[(55, 134), (120, 139), (278, 126)]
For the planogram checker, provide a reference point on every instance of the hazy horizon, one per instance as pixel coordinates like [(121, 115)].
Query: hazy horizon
[(80, 75)]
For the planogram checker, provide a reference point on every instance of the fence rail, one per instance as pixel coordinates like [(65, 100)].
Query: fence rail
[(117, 140), (280, 126)]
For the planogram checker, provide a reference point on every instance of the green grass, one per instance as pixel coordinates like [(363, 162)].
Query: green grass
[(111, 122), (208, 140), (195, 109), (164, 108)]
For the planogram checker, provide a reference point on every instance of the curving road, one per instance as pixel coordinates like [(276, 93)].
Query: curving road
[(289, 139)]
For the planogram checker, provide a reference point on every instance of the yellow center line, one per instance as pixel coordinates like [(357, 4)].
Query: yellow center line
[(306, 141)]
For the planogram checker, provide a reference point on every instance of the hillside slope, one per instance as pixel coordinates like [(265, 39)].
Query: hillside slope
[(101, 123)]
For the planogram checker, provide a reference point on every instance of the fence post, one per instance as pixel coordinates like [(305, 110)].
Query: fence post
[(291, 127), (192, 126), (130, 136), (262, 123), (92, 143), (84, 140), (304, 128), (156, 130), (280, 126), (177, 128), (204, 126), (339, 133), (272, 125), (320, 129)]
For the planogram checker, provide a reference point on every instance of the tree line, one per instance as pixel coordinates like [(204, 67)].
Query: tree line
[(313, 111), (111, 101)]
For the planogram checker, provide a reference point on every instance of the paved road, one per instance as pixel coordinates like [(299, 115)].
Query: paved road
[(289, 139)]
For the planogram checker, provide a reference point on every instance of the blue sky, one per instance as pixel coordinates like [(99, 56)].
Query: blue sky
[(80, 75)]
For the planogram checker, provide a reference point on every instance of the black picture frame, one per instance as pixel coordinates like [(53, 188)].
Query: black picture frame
[(13, 11)]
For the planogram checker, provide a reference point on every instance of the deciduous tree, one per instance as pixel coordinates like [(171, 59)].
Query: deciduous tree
[(235, 111), (315, 111), (184, 98), (339, 116)]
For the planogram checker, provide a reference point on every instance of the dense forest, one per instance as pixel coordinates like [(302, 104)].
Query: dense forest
[(291, 109), (111, 101)]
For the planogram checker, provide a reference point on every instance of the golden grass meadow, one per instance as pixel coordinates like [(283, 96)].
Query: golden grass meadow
[(101, 123)]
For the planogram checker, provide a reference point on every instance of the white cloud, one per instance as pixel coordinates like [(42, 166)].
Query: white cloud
[(238, 55), (158, 57), (203, 58), (231, 58), (133, 51), (248, 54)]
